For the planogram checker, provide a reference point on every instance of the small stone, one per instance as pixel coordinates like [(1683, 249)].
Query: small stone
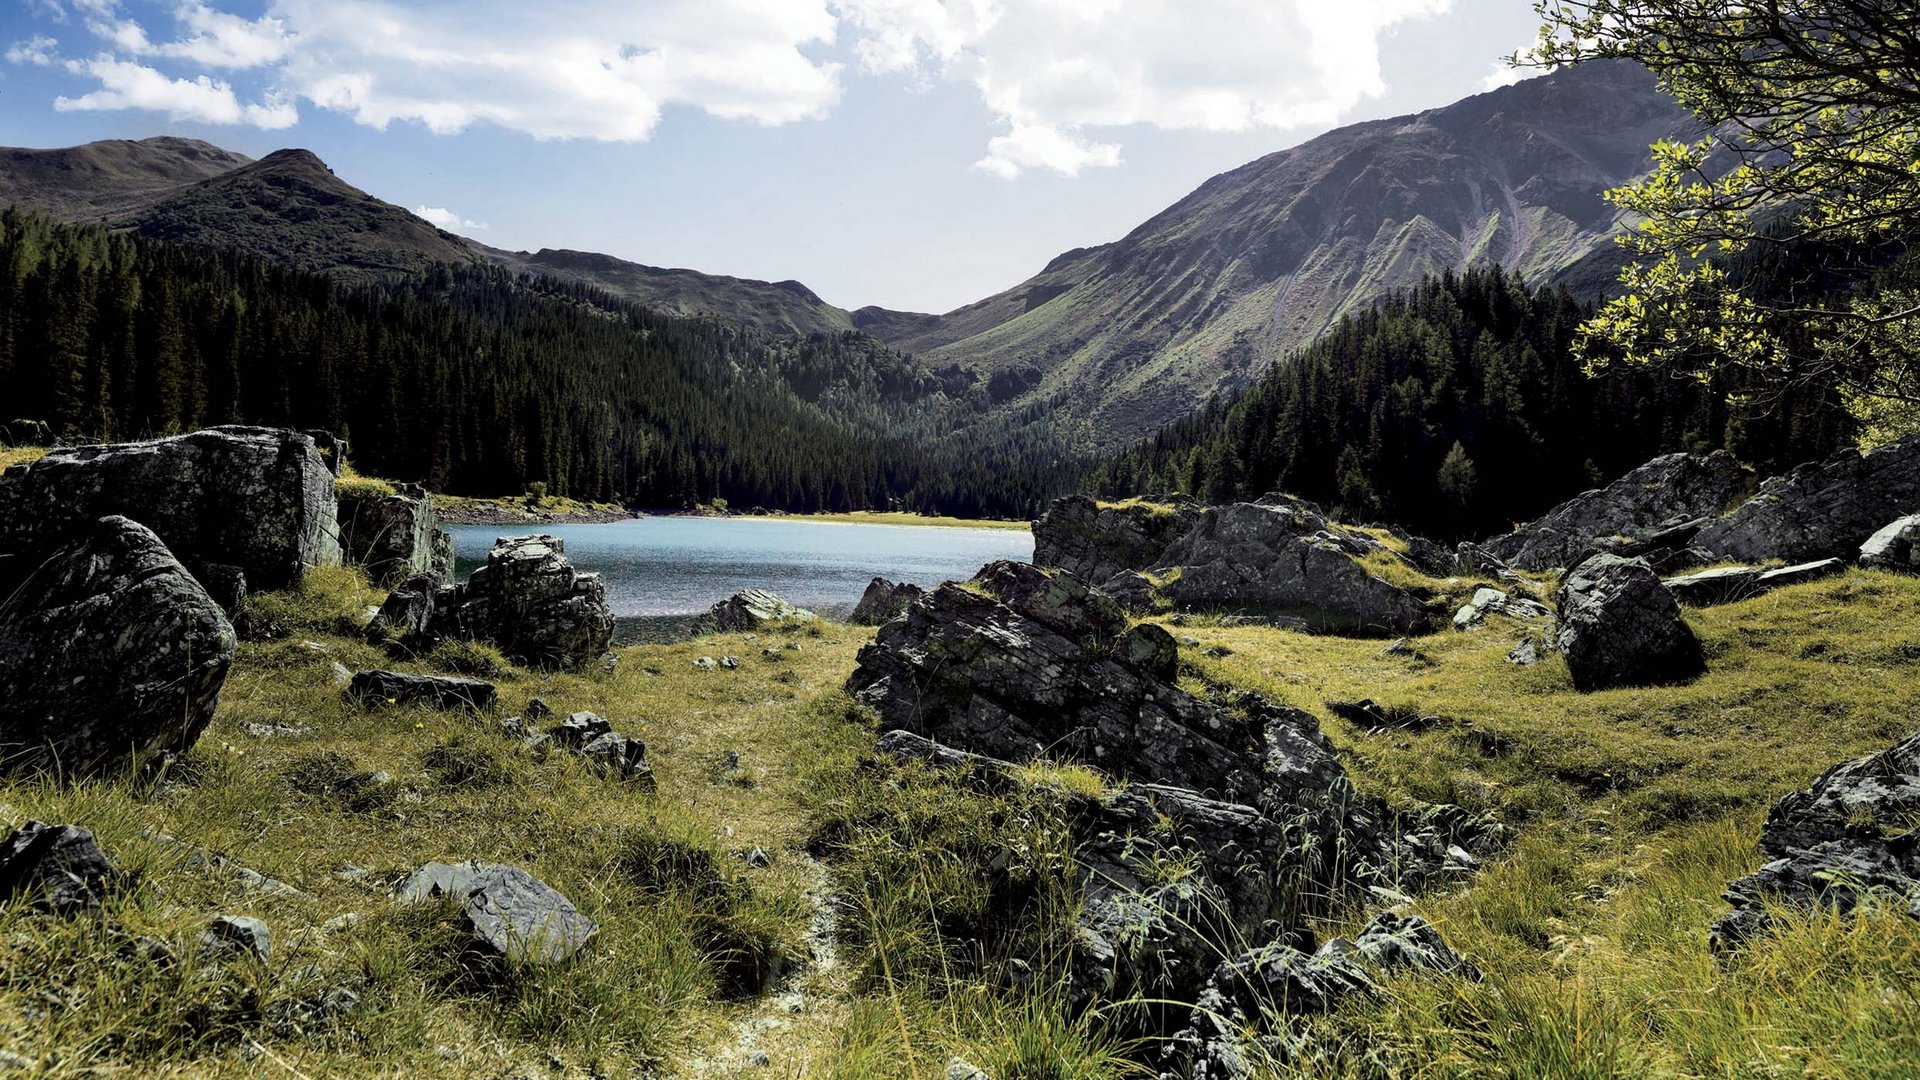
[(962, 1069), (237, 935), (1525, 654), (729, 662), (346, 921), (57, 868), (706, 663), (756, 859), (538, 710)]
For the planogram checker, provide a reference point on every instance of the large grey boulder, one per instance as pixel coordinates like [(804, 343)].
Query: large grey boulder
[(884, 601), (1896, 546), (1821, 510), (393, 537), (111, 655), (54, 868), (1095, 541), (508, 913), (1668, 491), (755, 609), (1848, 835), (528, 600), (1284, 559), (257, 502), (1619, 626)]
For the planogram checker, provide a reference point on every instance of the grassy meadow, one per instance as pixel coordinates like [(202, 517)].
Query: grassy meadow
[(874, 941)]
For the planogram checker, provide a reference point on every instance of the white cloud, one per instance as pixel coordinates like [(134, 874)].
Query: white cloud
[(127, 85), (443, 218), (1054, 71), (37, 50), (603, 69), (1505, 74), (217, 39)]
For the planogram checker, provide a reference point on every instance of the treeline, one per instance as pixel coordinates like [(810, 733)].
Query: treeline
[(1457, 409), (475, 381)]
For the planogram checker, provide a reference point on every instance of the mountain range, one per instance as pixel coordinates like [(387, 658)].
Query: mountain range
[(1113, 341)]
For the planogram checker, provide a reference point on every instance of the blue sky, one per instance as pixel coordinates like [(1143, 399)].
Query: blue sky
[(917, 154)]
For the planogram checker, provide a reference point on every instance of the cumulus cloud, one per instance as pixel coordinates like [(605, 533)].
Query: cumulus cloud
[(443, 218), (1505, 74), (1055, 71), (36, 50), (1063, 78), (128, 85)]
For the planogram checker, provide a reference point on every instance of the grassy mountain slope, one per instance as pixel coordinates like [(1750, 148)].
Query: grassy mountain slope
[(1264, 258), (784, 307), (93, 182)]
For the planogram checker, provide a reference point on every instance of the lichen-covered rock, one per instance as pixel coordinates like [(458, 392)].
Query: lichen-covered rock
[(1821, 510), (1619, 626), (1094, 542), (1895, 547), (883, 601), (527, 599), (256, 499), (449, 692), (1850, 833), (1284, 560), (755, 609), (393, 537), (1671, 490), (111, 655), (508, 913), (54, 868)]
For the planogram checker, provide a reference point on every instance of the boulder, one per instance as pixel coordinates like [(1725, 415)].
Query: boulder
[(617, 755), (380, 687), (755, 609), (527, 599), (1896, 546), (237, 935), (884, 601), (1095, 541), (1487, 601), (1284, 560), (1673, 490), (111, 655), (1851, 833), (257, 500), (393, 537), (1821, 510), (54, 868), (1619, 626), (508, 913)]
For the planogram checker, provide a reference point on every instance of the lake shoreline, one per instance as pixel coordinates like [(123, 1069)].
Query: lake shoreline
[(506, 510)]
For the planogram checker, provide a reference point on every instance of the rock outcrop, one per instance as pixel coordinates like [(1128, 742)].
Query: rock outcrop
[(1093, 542), (1821, 510), (393, 537), (1619, 626), (111, 655), (1022, 663), (507, 913), (1285, 559), (254, 504), (1728, 583), (1659, 505), (755, 609), (527, 599), (54, 868), (1851, 833), (884, 601)]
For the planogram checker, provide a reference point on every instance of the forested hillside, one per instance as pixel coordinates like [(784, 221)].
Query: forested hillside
[(474, 380), (1456, 408)]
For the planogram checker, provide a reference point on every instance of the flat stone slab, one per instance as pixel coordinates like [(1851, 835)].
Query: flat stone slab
[(510, 914), (381, 687)]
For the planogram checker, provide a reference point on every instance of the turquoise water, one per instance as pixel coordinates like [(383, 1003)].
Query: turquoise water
[(668, 566)]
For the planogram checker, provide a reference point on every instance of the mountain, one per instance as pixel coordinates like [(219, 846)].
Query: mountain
[(94, 182), (786, 307), (291, 208), (1261, 260)]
